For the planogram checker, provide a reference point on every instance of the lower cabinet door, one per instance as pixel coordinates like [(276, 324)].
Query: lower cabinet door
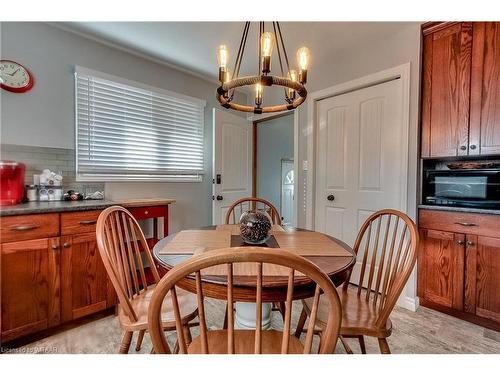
[(30, 287), (441, 268), (482, 287), (84, 282)]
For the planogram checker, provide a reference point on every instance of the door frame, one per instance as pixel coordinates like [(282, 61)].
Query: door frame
[(256, 123), (399, 72)]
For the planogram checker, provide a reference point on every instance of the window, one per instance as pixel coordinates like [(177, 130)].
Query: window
[(129, 131)]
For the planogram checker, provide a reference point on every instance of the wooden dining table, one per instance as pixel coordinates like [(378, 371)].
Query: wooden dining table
[(331, 255)]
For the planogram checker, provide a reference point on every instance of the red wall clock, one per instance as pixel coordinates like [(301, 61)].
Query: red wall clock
[(14, 77)]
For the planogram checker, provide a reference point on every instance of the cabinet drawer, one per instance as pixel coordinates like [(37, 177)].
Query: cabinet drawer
[(78, 222), (460, 222), (141, 213), (28, 227)]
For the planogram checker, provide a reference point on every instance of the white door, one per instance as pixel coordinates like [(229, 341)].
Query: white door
[(232, 166), (362, 159), (287, 181)]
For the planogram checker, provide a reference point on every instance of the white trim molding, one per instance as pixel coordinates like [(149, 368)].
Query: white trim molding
[(399, 72), (295, 168), (408, 303)]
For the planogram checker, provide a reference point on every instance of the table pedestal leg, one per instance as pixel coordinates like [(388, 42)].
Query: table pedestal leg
[(245, 315)]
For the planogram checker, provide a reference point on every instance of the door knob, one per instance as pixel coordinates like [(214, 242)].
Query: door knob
[(330, 197), (219, 197)]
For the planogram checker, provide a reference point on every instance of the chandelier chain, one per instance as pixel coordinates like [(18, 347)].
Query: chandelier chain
[(281, 63), (239, 56), (283, 44)]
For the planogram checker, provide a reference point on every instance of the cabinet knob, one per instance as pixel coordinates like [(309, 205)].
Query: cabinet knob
[(470, 243), (331, 197), (460, 242), (472, 147), (66, 245), (146, 212), (463, 148), (55, 247)]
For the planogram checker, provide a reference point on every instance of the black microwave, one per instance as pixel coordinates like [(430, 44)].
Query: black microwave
[(478, 188)]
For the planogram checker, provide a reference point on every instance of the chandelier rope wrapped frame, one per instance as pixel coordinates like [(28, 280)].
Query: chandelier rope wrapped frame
[(293, 82)]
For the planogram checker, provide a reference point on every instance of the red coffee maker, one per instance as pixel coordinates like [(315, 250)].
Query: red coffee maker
[(11, 182)]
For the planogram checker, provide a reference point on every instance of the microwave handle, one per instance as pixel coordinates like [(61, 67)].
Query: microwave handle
[(464, 224)]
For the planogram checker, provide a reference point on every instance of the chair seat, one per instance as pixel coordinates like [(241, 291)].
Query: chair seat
[(358, 315), (244, 343), (188, 306)]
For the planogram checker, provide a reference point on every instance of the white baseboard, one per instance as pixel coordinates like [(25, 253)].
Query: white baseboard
[(408, 303)]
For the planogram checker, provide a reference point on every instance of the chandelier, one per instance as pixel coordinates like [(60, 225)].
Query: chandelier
[(292, 81)]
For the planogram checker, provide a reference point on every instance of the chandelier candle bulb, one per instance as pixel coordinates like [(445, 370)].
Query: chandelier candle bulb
[(258, 94), (227, 78), (223, 60), (303, 61), (266, 47), (292, 74)]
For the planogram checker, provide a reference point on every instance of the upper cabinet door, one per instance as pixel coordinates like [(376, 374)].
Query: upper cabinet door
[(445, 91), (485, 90)]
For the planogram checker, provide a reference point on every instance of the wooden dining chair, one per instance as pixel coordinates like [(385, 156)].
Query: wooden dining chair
[(242, 205), (123, 248), (234, 341), (387, 243)]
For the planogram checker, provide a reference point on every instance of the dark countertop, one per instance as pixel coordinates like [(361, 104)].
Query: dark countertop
[(54, 206), (460, 209)]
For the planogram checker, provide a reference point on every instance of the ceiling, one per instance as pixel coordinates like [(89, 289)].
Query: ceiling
[(192, 45)]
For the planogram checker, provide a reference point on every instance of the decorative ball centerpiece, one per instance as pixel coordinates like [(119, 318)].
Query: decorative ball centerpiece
[(255, 227)]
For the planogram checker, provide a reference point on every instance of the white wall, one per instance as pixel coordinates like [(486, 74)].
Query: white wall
[(45, 115)]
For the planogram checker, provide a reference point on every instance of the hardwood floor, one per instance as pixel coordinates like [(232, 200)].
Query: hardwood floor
[(425, 331)]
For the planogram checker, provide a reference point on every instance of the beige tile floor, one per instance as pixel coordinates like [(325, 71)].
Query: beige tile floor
[(424, 331)]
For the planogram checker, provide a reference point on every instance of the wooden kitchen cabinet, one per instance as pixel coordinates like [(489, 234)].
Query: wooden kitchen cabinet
[(51, 272), (441, 267), (482, 287), (459, 265), (446, 89), (84, 281), (461, 89), (30, 286)]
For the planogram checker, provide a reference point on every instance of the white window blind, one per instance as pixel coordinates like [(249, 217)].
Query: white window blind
[(129, 131)]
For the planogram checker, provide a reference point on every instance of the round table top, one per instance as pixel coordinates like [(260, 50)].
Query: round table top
[(274, 288)]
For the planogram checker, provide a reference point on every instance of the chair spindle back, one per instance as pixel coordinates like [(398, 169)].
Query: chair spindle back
[(121, 242), (388, 242), (230, 257), (251, 204)]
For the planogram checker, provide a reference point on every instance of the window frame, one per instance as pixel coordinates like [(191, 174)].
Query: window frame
[(87, 177)]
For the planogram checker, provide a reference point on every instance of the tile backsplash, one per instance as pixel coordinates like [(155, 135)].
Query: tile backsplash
[(57, 160)]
